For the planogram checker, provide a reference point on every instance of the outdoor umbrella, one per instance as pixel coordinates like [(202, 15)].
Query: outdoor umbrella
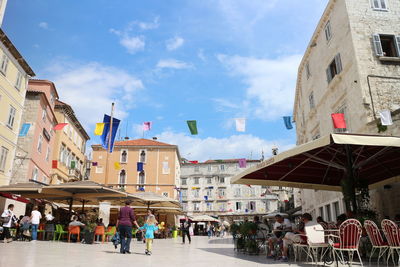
[(204, 218), (273, 214), (152, 200), (334, 162)]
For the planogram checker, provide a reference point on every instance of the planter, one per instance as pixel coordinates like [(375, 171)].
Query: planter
[(89, 237), (175, 234)]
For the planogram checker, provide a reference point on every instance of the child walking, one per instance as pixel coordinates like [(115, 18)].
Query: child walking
[(150, 227)]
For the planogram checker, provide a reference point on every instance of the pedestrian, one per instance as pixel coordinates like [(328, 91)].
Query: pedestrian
[(150, 227), (124, 224), (8, 219), (35, 220), (209, 230), (185, 225)]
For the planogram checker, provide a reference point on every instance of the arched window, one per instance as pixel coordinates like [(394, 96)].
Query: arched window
[(143, 156), (142, 178), (122, 179), (124, 156)]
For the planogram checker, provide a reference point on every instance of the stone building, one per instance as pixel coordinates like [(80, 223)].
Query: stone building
[(205, 188), (36, 140), (351, 66)]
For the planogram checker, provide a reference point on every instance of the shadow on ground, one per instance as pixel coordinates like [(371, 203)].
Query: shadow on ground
[(221, 241)]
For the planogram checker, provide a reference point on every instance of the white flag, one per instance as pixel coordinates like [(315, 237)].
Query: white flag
[(240, 124), (386, 117)]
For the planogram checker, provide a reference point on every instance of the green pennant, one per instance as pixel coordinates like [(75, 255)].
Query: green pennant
[(192, 127)]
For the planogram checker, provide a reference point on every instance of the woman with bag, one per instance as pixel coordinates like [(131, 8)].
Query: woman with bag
[(8, 219)]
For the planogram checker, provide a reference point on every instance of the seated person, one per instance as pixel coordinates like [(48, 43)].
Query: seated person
[(340, 219), (294, 237), (281, 225), (75, 222), (100, 222), (262, 229)]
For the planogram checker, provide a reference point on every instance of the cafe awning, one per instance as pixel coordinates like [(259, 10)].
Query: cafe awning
[(323, 163), (204, 218), (152, 200)]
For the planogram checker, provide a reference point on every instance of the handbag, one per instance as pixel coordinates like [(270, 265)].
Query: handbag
[(26, 233)]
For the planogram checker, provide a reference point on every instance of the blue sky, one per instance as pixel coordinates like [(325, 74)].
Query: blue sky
[(172, 61)]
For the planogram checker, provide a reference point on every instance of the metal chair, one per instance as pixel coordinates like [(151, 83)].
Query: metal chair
[(349, 241), (376, 239), (392, 233)]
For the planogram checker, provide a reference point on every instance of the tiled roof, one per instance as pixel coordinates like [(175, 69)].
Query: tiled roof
[(141, 142)]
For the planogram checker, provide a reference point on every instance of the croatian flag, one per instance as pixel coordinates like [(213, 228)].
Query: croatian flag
[(147, 126)]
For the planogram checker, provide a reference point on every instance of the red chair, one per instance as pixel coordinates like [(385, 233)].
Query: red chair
[(349, 241), (99, 231), (376, 239), (74, 230), (392, 233)]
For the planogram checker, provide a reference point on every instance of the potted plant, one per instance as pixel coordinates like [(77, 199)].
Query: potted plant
[(90, 222)]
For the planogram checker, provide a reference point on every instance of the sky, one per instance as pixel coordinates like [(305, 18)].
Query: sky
[(171, 61)]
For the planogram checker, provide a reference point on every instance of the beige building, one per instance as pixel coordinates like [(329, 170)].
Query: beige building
[(161, 166), (14, 75), (350, 66), (69, 146)]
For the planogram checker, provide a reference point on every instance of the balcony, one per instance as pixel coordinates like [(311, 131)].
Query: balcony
[(74, 174)]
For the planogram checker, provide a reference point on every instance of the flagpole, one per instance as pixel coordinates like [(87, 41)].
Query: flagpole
[(109, 143)]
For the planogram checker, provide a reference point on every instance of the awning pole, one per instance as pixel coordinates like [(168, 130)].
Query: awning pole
[(349, 190), (83, 206), (70, 206)]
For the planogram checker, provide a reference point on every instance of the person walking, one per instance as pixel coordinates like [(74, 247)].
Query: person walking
[(35, 220), (150, 227), (8, 219), (209, 230), (124, 224), (185, 225)]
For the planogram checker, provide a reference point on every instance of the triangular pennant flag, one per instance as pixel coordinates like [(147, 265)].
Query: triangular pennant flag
[(338, 121), (24, 129), (99, 128), (386, 117), (240, 124), (117, 166), (60, 126), (192, 127), (242, 163), (288, 122), (94, 163), (147, 126)]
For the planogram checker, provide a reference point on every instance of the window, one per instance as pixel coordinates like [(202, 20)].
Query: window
[(238, 192), (311, 100), (221, 193), (196, 193), (35, 174), (11, 117), (328, 213), (99, 169), (252, 192), (4, 64), (209, 206), (40, 142), (62, 155), (184, 206), (308, 73), (222, 167), (238, 206), (209, 168), (196, 180), (222, 206), (18, 82), (334, 68), (196, 168), (328, 31), (221, 180), (122, 179), (52, 98), (165, 167), (209, 192), (336, 209), (321, 212), (48, 154), (3, 158), (209, 180), (165, 194), (44, 115), (379, 4), (184, 193), (386, 45), (183, 181), (124, 156), (252, 205), (142, 178), (196, 206), (142, 156)]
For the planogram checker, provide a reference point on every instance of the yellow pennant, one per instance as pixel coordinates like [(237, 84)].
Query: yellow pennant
[(99, 128), (117, 166)]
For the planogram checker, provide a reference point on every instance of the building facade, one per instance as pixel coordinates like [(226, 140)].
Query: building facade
[(205, 188), (350, 66), (138, 165), (14, 76), (68, 160), (33, 160)]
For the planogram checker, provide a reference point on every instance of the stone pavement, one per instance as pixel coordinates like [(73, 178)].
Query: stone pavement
[(166, 252)]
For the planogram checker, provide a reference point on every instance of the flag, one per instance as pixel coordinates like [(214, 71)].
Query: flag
[(338, 121), (73, 164), (192, 127), (140, 166), (194, 161), (117, 166), (147, 126), (54, 164), (205, 198), (386, 117), (60, 126), (242, 163), (106, 132), (99, 128), (240, 124), (288, 122), (94, 163), (24, 129)]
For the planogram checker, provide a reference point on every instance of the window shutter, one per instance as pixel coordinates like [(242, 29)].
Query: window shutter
[(383, 4), (338, 63), (397, 42), (328, 75), (377, 45)]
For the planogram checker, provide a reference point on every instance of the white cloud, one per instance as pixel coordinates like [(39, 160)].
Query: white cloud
[(173, 64), (133, 43), (90, 89), (200, 54), (270, 83), (149, 25), (235, 146), (44, 25), (174, 43)]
